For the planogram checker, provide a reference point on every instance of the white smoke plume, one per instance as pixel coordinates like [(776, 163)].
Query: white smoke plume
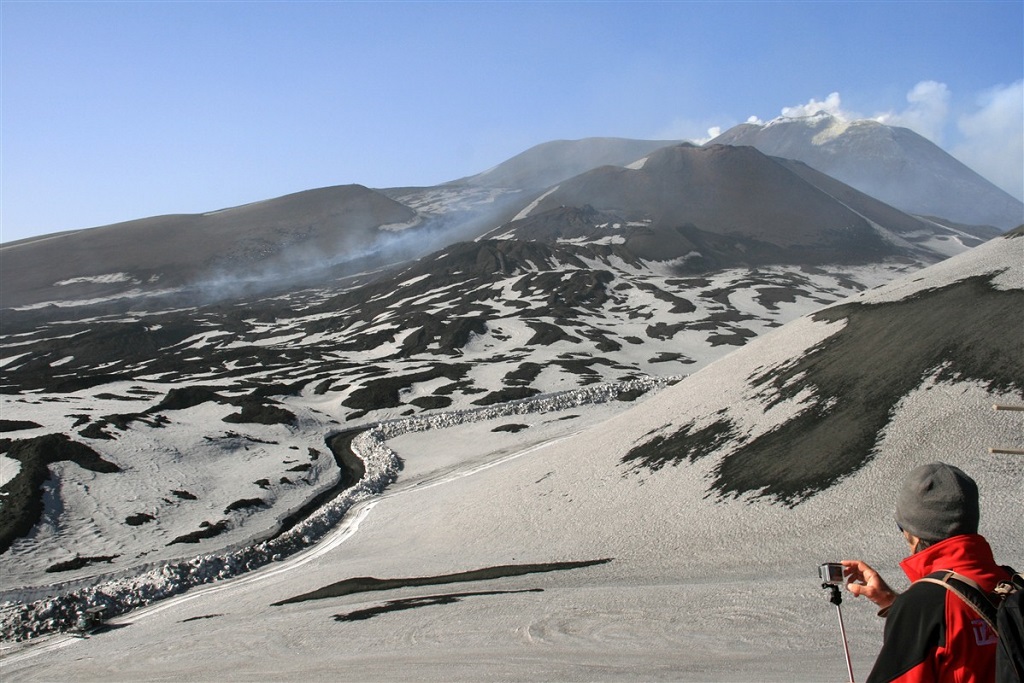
[(831, 105)]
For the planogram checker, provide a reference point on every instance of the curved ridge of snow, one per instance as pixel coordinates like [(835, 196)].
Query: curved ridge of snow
[(121, 595), (117, 596)]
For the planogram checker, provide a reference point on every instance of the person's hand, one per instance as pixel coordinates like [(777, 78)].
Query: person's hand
[(863, 580)]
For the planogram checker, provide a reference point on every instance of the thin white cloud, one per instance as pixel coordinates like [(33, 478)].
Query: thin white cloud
[(993, 138)]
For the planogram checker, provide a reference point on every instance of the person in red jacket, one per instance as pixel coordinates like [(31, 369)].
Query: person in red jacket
[(930, 633)]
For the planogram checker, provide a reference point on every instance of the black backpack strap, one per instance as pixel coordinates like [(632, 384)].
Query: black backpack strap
[(968, 591)]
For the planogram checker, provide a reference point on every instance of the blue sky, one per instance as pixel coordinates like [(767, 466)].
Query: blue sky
[(119, 110)]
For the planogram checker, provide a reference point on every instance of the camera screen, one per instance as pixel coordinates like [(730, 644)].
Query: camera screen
[(831, 572)]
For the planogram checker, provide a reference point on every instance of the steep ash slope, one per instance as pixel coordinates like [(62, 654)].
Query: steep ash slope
[(846, 388), (305, 236), (542, 552), (230, 403), (552, 162), (718, 206), (577, 297), (216, 414), (272, 239)]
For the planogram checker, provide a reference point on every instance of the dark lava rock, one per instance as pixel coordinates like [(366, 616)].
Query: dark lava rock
[(23, 495)]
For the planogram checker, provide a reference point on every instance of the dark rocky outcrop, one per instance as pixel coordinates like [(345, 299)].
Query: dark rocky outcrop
[(22, 503)]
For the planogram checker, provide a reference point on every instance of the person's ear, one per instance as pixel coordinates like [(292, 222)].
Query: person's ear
[(912, 540)]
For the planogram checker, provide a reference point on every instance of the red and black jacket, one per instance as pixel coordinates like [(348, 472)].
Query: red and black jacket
[(930, 633)]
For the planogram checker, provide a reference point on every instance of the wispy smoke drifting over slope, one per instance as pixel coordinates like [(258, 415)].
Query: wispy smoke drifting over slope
[(831, 105), (308, 238), (308, 263), (927, 112)]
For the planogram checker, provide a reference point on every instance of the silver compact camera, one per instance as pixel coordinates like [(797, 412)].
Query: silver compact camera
[(831, 573)]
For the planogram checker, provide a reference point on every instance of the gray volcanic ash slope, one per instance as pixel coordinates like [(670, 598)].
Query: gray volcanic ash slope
[(307, 237), (138, 430), (883, 345), (552, 162), (586, 553), (894, 164), (268, 240), (716, 206), (283, 242), (562, 298), (216, 416)]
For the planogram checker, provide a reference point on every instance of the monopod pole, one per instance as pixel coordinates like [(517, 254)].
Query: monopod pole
[(836, 599)]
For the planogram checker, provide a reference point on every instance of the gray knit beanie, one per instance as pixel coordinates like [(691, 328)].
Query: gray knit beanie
[(938, 501)]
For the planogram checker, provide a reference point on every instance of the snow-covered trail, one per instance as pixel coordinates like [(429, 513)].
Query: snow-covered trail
[(32, 649), (381, 470), (279, 570), (587, 624), (696, 588)]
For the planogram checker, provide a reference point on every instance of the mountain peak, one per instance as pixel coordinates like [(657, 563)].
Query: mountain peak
[(549, 163), (820, 115), (756, 208), (890, 163)]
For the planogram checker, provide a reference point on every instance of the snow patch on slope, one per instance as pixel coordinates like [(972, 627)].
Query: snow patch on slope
[(19, 620), (109, 278), (534, 204)]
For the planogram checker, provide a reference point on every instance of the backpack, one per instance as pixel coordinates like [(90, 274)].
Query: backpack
[(1001, 610)]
